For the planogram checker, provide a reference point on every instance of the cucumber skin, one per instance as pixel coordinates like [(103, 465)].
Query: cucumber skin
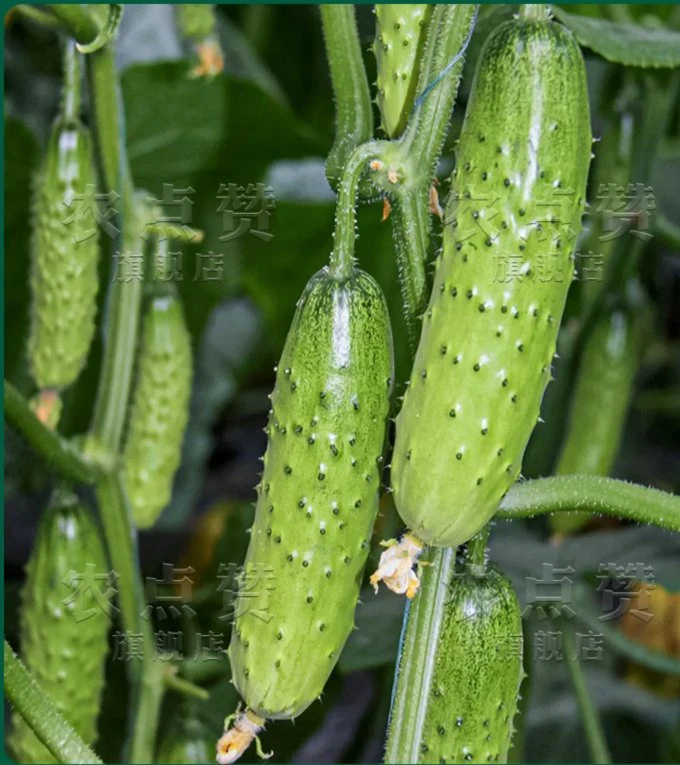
[(159, 412), (65, 656), (64, 280), (339, 345), (399, 38), (486, 345), (599, 405), (477, 673)]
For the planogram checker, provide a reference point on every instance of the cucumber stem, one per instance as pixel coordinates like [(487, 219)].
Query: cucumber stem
[(590, 716), (366, 156), (44, 719), (448, 35), (70, 103), (57, 451), (476, 550), (353, 108), (78, 20), (534, 12), (419, 638), (594, 494)]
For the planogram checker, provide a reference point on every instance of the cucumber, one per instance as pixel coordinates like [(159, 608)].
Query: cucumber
[(159, 412), (399, 39), (188, 744), (62, 644), (486, 345), (64, 262), (476, 674), (317, 502), (600, 403)]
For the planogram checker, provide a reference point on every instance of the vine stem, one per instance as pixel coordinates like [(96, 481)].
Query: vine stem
[(476, 550), (590, 715), (72, 82), (57, 451), (113, 393), (353, 109), (48, 724), (594, 494), (419, 638), (342, 256), (533, 12), (78, 20)]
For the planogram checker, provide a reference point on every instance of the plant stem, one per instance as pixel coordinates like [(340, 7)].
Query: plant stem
[(476, 550), (183, 686), (594, 494), (353, 108), (533, 12), (590, 715), (48, 724), (57, 451), (112, 402), (342, 256), (419, 638), (411, 229), (124, 296), (78, 20), (448, 35), (70, 105), (145, 677)]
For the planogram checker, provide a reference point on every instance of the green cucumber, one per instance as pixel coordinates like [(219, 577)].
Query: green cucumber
[(317, 502), (159, 411), (399, 39), (63, 625), (469, 686), (487, 342), (65, 255), (600, 403)]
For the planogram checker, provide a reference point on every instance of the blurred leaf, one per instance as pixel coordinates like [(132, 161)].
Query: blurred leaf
[(375, 640), (665, 180), (22, 155), (627, 44), (177, 126)]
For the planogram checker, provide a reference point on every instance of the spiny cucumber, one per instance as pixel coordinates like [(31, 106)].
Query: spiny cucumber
[(476, 673), (399, 38), (159, 410), (501, 281), (317, 502), (65, 251), (64, 622)]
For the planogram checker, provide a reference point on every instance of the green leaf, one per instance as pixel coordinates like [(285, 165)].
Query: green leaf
[(627, 44)]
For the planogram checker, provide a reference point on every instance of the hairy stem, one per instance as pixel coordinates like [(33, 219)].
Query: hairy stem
[(48, 724), (419, 638), (59, 453), (590, 715), (70, 103), (594, 494), (411, 229), (353, 109), (342, 256), (533, 12), (448, 35), (476, 549)]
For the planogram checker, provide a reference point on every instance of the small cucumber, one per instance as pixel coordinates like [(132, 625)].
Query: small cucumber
[(317, 502), (473, 682), (64, 626), (600, 403), (160, 410), (477, 673), (488, 335), (64, 281), (399, 38)]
